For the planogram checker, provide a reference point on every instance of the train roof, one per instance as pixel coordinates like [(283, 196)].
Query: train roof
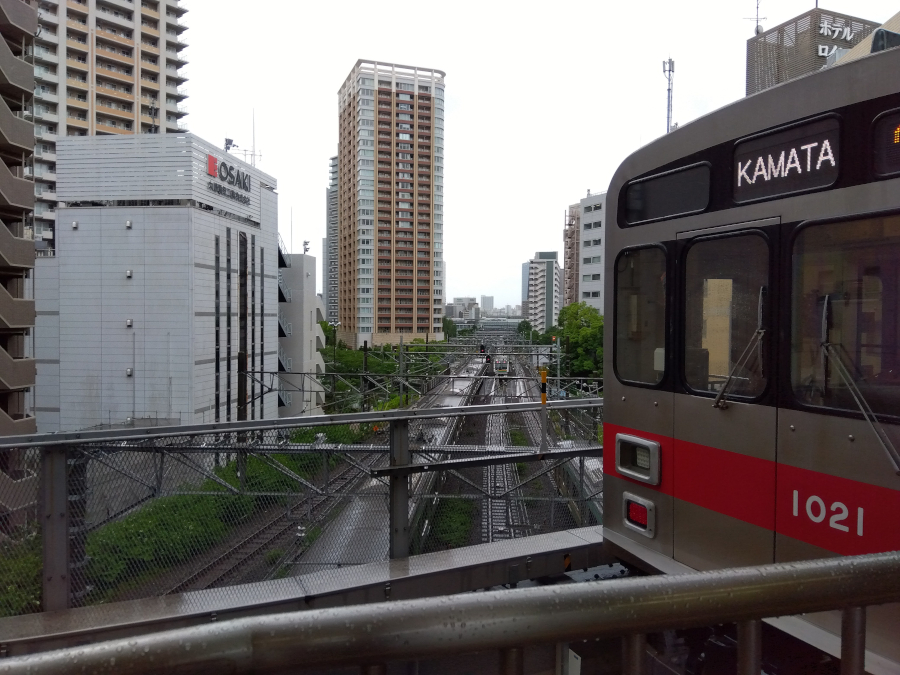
[(840, 85)]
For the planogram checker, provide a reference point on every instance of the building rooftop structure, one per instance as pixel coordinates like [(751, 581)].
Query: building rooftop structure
[(801, 46)]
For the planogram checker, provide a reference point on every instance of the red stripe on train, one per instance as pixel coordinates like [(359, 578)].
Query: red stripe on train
[(737, 485), (838, 514)]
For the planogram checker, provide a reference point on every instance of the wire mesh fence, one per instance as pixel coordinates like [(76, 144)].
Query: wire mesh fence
[(20, 533), (175, 513)]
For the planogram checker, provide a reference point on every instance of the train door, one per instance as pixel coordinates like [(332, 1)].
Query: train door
[(724, 434), (637, 487)]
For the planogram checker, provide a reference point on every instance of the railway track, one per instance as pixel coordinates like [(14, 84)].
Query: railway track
[(224, 567)]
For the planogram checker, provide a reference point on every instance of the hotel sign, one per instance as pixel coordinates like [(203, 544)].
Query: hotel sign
[(227, 174)]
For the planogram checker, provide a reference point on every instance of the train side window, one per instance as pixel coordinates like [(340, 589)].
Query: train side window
[(845, 327), (640, 328), (725, 315)]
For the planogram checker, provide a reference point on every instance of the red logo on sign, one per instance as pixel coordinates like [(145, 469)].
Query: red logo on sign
[(212, 165)]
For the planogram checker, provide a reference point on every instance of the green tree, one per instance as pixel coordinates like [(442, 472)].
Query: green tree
[(329, 333), (581, 331), (524, 328), (449, 328)]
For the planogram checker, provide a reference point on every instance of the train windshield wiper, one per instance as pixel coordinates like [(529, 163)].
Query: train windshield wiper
[(832, 353), (755, 340)]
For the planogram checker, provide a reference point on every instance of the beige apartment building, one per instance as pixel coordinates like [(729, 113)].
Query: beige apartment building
[(390, 204), (101, 67), (571, 254)]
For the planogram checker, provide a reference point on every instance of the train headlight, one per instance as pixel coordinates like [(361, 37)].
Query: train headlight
[(642, 458), (638, 459)]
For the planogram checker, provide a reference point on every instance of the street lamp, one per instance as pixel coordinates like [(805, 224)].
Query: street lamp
[(334, 325)]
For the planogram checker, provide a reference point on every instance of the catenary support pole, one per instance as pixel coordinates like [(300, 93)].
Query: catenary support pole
[(55, 527), (543, 409), (399, 491)]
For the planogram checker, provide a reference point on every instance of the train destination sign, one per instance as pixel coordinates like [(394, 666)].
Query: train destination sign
[(887, 144), (804, 157)]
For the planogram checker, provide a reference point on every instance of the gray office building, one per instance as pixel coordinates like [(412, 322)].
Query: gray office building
[(165, 288)]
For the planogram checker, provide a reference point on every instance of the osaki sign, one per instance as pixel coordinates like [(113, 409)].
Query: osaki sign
[(230, 175), (803, 157)]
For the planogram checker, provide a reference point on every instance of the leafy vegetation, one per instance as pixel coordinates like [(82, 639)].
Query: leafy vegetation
[(449, 328), (20, 573), (170, 530), (518, 437), (452, 522), (580, 332)]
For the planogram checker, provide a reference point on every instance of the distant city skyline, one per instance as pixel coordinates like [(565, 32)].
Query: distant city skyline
[(489, 231)]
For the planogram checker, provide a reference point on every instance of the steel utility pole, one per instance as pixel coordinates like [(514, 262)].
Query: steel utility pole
[(669, 72)]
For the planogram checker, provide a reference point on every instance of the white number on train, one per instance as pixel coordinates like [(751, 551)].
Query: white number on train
[(816, 512)]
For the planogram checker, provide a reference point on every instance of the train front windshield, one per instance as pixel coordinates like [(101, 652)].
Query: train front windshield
[(846, 314)]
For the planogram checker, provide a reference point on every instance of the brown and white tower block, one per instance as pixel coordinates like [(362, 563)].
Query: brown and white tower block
[(390, 204)]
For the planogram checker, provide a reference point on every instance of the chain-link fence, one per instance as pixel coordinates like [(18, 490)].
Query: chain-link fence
[(149, 516), (20, 532)]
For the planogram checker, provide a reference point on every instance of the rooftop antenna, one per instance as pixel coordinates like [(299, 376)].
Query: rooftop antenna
[(758, 18), (669, 72), (251, 153)]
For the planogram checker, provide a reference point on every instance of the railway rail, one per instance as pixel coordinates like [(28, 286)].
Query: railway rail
[(224, 567)]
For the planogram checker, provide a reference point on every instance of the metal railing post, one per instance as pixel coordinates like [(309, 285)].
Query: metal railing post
[(634, 654), (512, 661), (399, 487), (853, 641), (55, 528), (749, 647)]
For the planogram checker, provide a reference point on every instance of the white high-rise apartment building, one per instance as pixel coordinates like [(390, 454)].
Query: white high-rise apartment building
[(487, 303), (101, 67), (592, 251), (544, 290), (390, 204)]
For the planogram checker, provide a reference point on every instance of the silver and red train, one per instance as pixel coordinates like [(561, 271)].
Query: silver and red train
[(752, 351)]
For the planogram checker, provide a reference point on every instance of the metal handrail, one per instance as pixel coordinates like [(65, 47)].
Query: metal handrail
[(431, 627)]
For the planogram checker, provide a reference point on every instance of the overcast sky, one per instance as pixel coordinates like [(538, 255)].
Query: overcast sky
[(544, 100)]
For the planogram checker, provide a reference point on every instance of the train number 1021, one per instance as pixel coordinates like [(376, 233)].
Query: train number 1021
[(817, 512)]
